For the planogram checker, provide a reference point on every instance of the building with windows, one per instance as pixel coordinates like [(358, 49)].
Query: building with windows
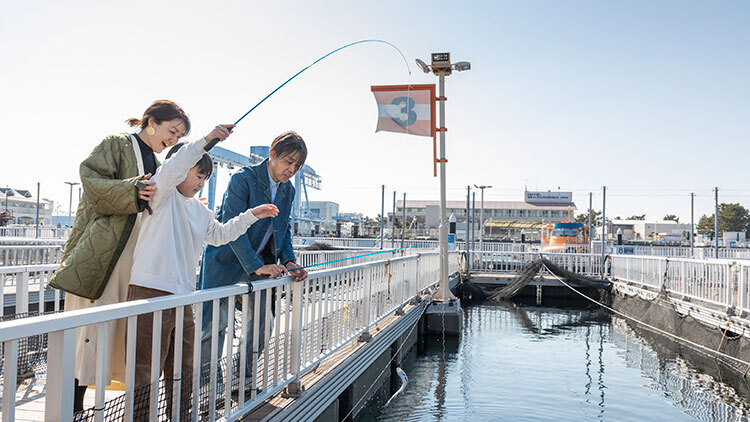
[(21, 205), (502, 219)]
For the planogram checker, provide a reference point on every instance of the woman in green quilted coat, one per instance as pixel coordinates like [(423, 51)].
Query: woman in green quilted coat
[(96, 262)]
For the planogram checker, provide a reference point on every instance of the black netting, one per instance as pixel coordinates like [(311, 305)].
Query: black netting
[(32, 351)]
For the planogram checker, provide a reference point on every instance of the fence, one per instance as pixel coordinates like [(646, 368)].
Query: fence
[(513, 262), (27, 284), (45, 232), (310, 321), (716, 281), (30, 255), (420, 244)]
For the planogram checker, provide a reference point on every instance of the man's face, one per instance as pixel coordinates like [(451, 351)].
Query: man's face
[(284, 167)]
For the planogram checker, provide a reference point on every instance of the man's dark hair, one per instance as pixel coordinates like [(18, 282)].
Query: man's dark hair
[(205, 164), (290, 143)]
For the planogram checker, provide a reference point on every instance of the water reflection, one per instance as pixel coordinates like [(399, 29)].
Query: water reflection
[(533, 363)]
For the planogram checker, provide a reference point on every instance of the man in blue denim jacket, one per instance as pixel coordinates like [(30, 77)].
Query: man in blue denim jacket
[(257, 253)]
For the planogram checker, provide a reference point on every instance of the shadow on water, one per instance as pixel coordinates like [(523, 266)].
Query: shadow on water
[(516, 361)]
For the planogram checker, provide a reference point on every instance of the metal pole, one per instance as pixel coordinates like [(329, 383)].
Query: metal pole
[(604, 225), (473, 218), (393, 221), (403, 223), (382, 214), (591, 238), (716, 222), (38, 185), (468, 227), (444, 293), (481, 223), (692, 224)]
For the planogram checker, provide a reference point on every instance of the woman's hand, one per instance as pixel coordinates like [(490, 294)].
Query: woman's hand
[(148, 191), (265, 210), (221, 131)]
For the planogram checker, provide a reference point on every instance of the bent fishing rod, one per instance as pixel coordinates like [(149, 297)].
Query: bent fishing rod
[(214, 141)]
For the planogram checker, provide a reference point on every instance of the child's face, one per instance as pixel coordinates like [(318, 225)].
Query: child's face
[(193, 183)]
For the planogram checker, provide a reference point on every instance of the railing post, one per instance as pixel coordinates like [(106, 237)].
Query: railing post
[(22, 293), (296, 337), (742, 299), (366, 336), (682, 277), (58, 403)]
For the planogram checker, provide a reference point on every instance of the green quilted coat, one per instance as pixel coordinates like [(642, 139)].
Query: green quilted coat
[(104, 219)]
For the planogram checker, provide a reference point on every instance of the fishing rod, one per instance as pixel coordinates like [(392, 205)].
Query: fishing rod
[(353, 257), (214, 141)]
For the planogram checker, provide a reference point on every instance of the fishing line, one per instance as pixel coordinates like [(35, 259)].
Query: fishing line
[(651, 327), (353, 257), (216, 140)]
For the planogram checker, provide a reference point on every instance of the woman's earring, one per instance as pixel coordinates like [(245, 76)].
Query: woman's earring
[(150, 130)]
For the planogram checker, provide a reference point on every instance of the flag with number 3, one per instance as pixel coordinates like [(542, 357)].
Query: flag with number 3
[(406, 109)]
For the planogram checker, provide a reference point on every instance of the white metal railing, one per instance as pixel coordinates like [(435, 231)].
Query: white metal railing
[(513, 262), (45, 232), (319, 260), (23, 282), (412, 243), (30, 254), (313, 319), (716, 281), (677, 251)]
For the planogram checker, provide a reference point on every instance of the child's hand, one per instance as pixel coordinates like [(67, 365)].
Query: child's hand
[(265, 210)]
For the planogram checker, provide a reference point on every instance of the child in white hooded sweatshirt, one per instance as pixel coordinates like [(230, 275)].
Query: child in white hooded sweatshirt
[(169, 247)]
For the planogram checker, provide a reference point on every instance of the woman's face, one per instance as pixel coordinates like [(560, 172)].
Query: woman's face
[(166, 134)]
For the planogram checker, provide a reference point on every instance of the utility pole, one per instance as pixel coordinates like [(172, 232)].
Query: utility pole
[(382, 214), (481, 221), (604, 226), (716, 222), (403, 223), (473, 218), (468, 227), (70, 203), (692, 224), (393, 222), (591, 237), (38, 187)]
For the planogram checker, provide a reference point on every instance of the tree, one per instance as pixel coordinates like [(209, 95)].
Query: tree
[(706, 225), (672, 217), (596, 218), (732, 218), (637, 217)]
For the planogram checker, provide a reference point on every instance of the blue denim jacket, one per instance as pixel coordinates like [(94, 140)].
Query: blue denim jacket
[(238, 260)]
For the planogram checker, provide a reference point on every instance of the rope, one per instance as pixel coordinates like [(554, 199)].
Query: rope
[(658, 330), (388, 365)]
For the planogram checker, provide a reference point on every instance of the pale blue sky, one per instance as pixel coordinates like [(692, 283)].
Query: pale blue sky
[(651, 98)]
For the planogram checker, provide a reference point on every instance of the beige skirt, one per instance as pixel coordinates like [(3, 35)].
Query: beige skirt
[(116, 291)]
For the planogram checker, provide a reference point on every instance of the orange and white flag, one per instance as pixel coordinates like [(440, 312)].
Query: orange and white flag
[(406, 109)]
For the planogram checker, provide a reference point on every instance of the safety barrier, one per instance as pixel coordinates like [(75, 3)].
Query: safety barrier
[(30, 255), (513, 262), (27, 284), (305, 322), (715, 281), (45, 232)]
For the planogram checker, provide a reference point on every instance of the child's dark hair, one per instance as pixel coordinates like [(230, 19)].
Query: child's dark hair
[(205, 164), (161, 111)]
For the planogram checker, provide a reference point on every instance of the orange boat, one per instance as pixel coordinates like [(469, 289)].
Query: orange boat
[(564, 238)]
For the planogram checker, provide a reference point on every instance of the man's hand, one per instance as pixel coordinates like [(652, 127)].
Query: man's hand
[(148, 189), (299, 274), (272, 270)]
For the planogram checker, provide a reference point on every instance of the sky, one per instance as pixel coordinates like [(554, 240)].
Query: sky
[(648, 98)]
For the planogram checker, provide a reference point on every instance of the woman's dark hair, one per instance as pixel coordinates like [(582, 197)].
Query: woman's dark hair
[(290, 143), (161, 111), (205, 164)]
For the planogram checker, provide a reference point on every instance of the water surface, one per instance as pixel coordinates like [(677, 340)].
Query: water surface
[(528, 363)]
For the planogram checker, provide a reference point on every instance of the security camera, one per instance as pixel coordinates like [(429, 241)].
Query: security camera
[(461, 66), (423, 65)]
